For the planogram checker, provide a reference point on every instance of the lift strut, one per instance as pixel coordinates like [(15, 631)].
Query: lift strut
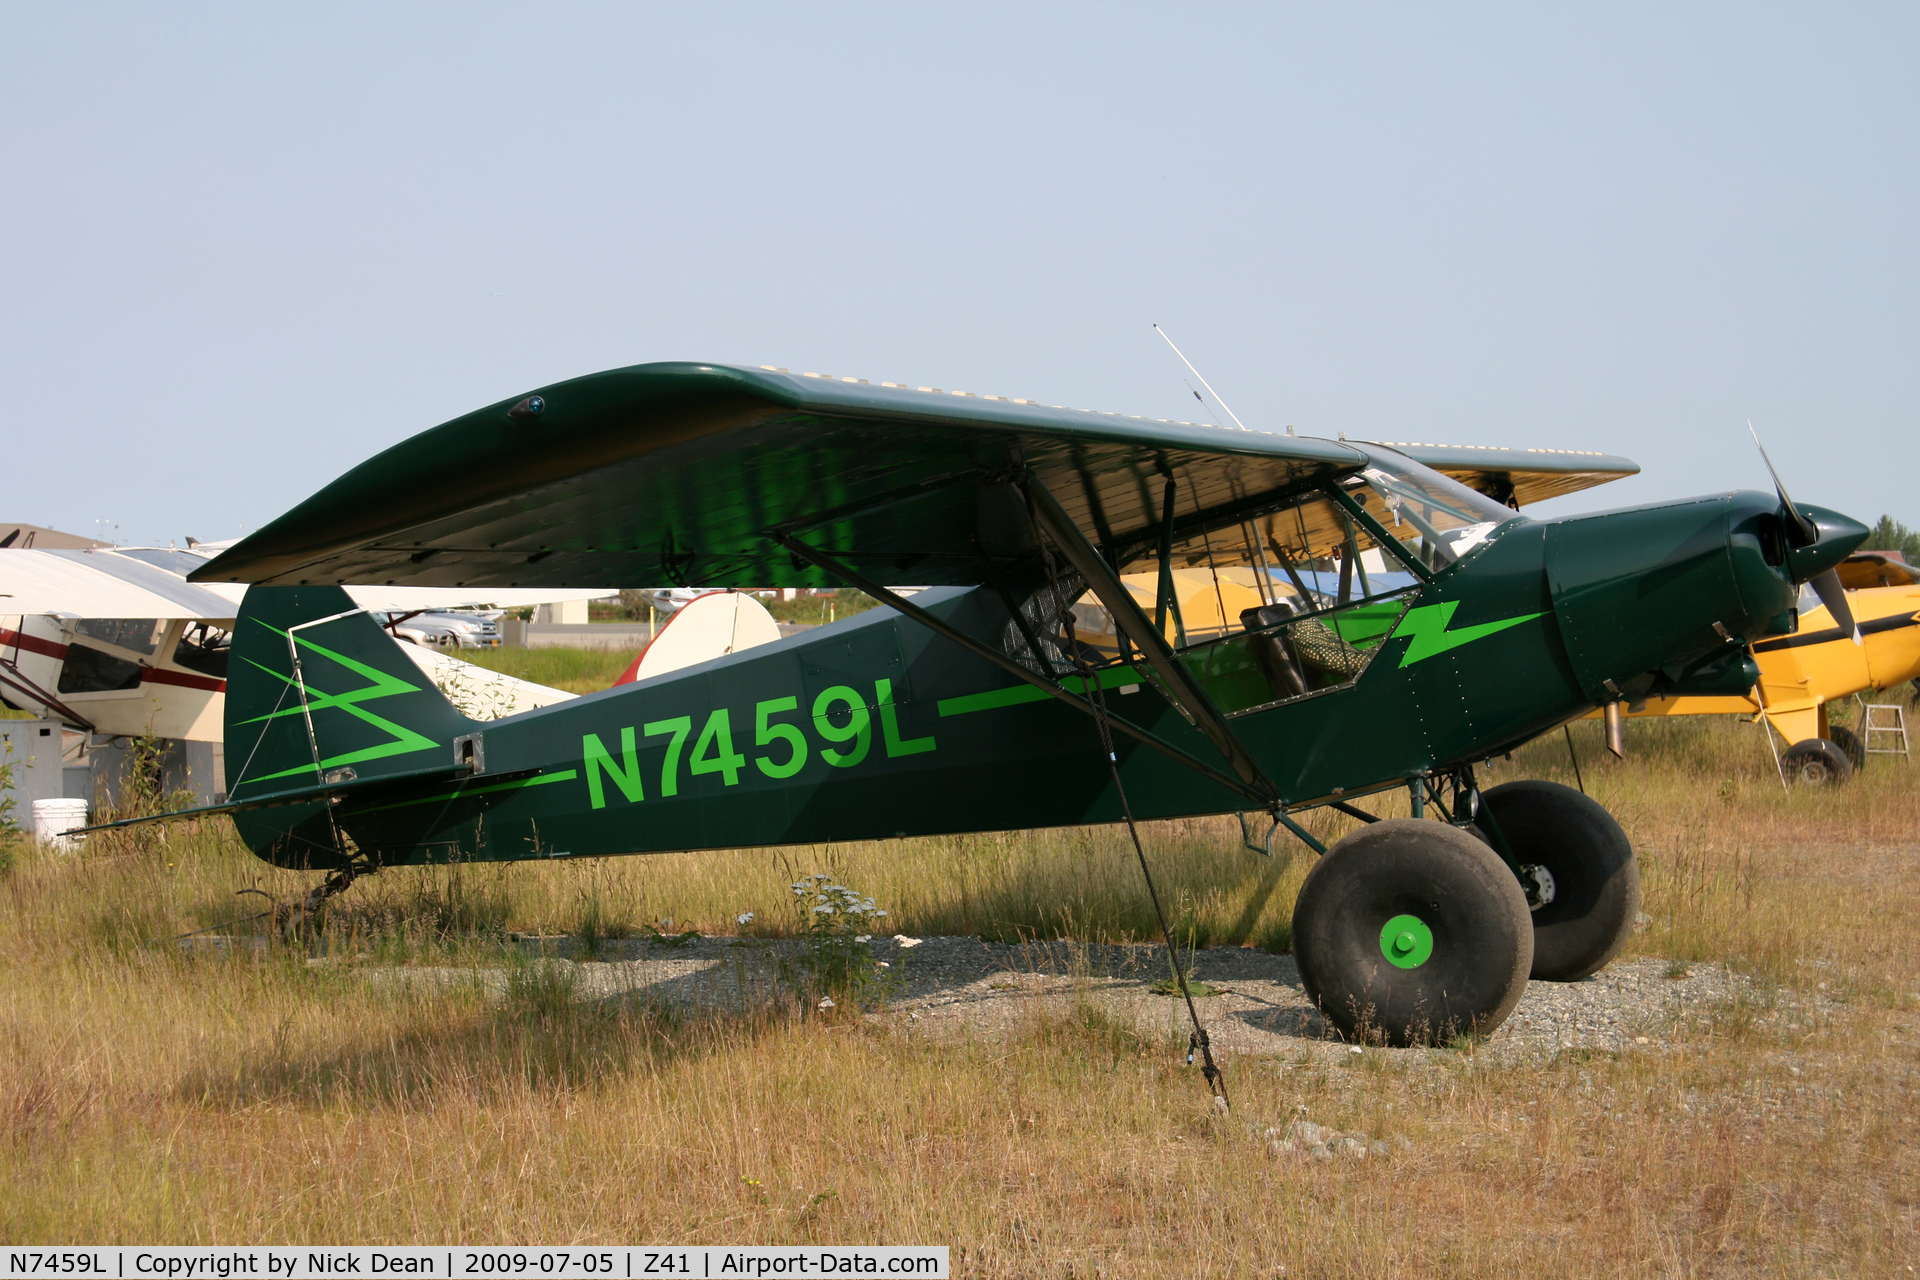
[(1179, 683), (1079, 700)]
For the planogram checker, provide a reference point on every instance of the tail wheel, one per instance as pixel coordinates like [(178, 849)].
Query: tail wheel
[(1584, 887), (1412, 932), (1816, 763), (1849, 741)]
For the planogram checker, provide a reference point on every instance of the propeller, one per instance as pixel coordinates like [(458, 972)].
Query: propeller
[(1804, 533), (1834, 596)]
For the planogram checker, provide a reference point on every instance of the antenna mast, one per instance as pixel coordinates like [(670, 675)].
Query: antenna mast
[(1203, 382)]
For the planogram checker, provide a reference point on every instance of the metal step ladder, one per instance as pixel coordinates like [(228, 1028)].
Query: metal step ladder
[(1887, 720)]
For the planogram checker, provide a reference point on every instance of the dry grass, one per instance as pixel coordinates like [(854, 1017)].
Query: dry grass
[(147, 1095)]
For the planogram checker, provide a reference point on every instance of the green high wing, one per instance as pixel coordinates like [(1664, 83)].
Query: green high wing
[(678, 472)]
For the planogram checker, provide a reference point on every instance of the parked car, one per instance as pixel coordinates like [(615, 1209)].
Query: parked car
[(445, 630), (673, 599)]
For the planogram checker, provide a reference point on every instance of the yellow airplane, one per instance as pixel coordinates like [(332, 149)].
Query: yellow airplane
[(1823, 661)]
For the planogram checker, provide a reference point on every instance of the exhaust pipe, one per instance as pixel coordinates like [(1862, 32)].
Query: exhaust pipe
[(1615, 742)]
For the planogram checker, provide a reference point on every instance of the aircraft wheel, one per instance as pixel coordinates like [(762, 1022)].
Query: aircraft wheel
[(1585, 892), (1412, 932), (1816, 763), (1849, 741)]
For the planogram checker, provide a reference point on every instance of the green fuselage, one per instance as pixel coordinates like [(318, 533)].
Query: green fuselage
[(877, 727)]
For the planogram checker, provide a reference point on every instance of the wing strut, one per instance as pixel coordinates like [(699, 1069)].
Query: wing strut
[(1197, 1043), (10, 675), (1179, 684), (939, 626)]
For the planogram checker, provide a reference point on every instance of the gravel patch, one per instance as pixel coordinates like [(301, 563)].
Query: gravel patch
[(967, 988)]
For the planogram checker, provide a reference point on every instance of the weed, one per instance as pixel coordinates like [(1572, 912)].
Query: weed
[(658, 936), (837, 962), (596, 923), (9, 828), (544, 989), (1172, 985)]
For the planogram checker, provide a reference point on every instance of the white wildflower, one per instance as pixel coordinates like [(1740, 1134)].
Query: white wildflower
[(826, 1002), (864, 937), (823, 911), (745, 917)]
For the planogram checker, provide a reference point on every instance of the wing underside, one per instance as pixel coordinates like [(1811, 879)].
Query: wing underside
[(681, 473), (1520, 477), (692, 474)]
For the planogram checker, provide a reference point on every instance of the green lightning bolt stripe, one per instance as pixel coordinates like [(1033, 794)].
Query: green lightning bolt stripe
[(405, 740), (1426, 629)]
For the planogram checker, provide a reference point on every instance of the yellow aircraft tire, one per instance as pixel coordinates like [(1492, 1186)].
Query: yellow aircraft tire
[(1412, 932), (1589, 863), (1816, 762)]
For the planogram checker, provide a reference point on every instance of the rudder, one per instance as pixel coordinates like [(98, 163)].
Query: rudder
[(368, 712)]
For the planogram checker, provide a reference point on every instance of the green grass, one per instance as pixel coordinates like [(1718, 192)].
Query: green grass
[(846, 602), (574, 670), (808, 608)]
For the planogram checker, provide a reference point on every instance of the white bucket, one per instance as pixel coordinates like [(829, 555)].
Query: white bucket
[(52, 819)]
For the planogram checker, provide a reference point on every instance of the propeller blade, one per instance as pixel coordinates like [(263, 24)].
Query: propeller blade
[(1806, 532), (1834, 596)]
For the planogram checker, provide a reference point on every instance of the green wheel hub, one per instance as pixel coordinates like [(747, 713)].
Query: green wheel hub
[(1406, 942)]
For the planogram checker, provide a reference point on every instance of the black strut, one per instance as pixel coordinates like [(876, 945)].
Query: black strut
[(1197, 1042)]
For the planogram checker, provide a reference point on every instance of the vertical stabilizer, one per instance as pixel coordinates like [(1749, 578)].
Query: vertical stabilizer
[(367, 711)]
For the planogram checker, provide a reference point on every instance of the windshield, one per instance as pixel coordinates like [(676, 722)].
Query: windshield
[(1435, 517)]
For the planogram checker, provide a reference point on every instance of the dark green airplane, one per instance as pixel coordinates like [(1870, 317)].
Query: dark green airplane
[(1372, 623)]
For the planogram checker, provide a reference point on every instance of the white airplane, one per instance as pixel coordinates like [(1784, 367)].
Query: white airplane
[(116, 641), (113, 644)]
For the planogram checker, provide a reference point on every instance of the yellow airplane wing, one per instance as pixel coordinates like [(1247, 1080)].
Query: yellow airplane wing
[(1801, 673)]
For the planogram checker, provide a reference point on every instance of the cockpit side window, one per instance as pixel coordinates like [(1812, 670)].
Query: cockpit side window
[(1303, 557), (1293, 600), (137, 635)]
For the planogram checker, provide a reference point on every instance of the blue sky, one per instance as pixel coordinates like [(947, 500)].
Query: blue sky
[(243, 248)]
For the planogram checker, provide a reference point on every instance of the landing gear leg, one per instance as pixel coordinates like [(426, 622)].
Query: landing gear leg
[(296, 919)]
